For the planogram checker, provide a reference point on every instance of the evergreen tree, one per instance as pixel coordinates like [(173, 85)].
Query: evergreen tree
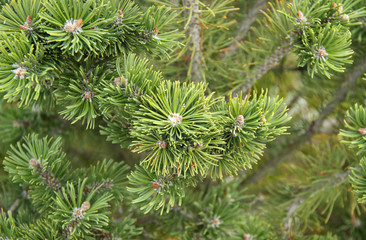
[(156, 119)]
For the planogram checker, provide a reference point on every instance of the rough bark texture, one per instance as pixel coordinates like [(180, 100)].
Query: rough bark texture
[(194, 30)]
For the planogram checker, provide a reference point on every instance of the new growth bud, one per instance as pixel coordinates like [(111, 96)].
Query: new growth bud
[(247, 236), (119, 19), (85, 206), (79, 23), (362, 131), (29, 20), (156, 185), (345, 17), (19, 71), (301, 17), (215, 222), (240, 121), (161, 144), (34, 163), (175, 119), (73, 26), (27, 24), (87, 95), (340, 9), (321, 53), (117, 81)]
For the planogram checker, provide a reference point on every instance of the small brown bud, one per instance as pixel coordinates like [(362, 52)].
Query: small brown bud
[(117, 81), (33, 163), (264, 120), (16, 123), (85, 206), (119, 19), (247, 236), (20, 72), (345, 17), (300, 14), (301, 17), (79, 22), (240, 121), (340, 9), (87, 95), (73, 26), (155, 185), (362, 131), (156, 31), (175, 119), (29, 20), (200, 144), (321, 52), (78, 212), (161, 144), (215, 222)]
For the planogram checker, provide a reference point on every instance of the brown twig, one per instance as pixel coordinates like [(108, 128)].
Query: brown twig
[(315, 126), (262, 69), (245, 26), (194, 31)]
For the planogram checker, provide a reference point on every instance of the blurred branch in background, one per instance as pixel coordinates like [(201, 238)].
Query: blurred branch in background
[(350, 79)]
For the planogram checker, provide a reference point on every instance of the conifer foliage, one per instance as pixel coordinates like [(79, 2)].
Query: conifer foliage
[(113, 66)]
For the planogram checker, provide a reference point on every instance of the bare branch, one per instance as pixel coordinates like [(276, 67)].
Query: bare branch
[(193, 31), (262, 69), (315, 126), (245, 25)]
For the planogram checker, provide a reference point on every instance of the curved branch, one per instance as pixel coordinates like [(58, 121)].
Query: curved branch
[(339, 96), (245, 26), (262, 69)]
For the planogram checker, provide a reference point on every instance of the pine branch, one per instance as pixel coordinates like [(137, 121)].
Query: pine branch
[(315, 126), (262, 69), (245, 26), (194, 32), (49, 179)]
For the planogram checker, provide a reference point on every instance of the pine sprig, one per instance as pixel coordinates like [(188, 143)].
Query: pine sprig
[(355, 131), (156, 192), (76, 27), (25, 75), (77, 213), (22, 16), (38, 162), (358, 181), (77, 206), (107, 177)]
